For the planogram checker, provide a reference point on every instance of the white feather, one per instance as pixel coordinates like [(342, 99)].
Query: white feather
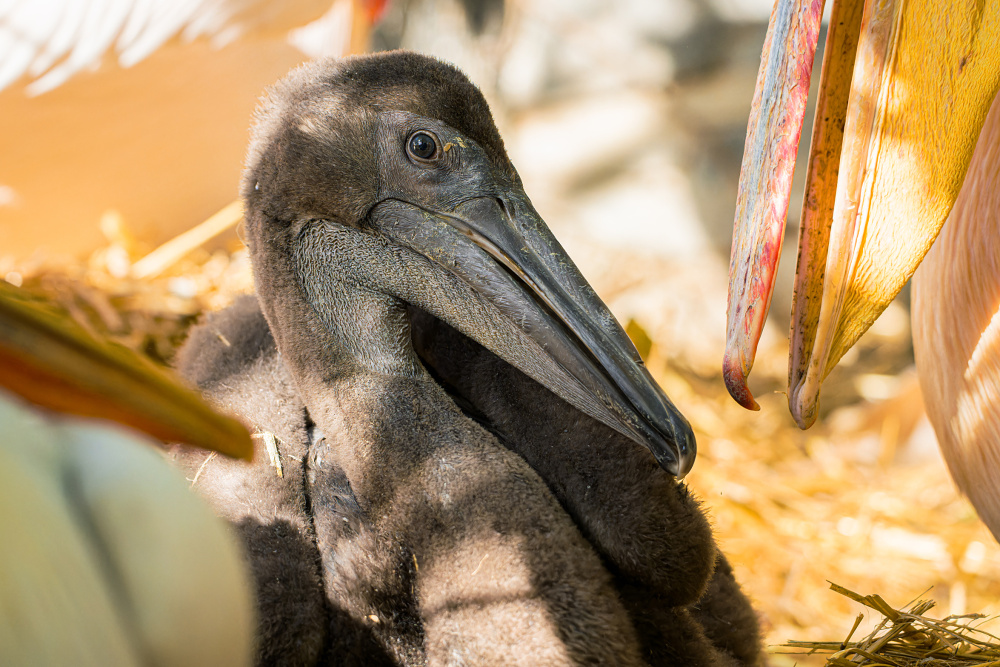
[(61, 42), (51, 40)]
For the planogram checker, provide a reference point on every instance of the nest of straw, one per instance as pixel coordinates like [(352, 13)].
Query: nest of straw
[(907, 637)]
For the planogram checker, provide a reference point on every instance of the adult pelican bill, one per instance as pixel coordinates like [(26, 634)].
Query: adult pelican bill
[(905, 92)]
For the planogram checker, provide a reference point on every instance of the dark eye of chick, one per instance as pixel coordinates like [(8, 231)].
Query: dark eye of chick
[(423, 146)]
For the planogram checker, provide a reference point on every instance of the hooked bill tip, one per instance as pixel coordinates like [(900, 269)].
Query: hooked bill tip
[(736, 380), (803, 406), (686, 448), (678, 449)]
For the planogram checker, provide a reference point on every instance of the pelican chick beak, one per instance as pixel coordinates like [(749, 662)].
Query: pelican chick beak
[(553, 326)]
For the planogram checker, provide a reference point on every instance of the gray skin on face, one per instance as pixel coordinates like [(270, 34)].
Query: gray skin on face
[(407, 512)]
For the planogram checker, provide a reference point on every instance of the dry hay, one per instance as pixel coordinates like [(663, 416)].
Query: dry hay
[(907, 637), (116, 294)]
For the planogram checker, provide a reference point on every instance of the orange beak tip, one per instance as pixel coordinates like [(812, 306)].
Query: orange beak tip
[(736, 381)]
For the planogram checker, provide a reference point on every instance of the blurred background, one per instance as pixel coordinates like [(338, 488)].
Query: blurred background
[(119, 133)]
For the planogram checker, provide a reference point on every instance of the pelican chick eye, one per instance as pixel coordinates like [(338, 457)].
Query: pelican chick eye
[(422, 146)]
